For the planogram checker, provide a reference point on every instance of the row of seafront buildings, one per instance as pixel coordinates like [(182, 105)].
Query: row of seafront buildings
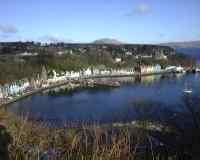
[(14, 88), (89, 72), (17, 88), (150, 69), (98, 72)]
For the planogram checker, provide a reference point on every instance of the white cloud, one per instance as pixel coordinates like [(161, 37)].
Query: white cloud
[(53, 39), (8, 29), (49, 39), (142, 9)]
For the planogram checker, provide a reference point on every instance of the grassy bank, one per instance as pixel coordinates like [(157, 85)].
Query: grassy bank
[(21, 139), (28, 140)]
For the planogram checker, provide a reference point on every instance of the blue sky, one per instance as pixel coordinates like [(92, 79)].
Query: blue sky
[(133, 21)]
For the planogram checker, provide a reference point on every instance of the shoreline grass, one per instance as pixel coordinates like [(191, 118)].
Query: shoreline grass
[(34, 141)]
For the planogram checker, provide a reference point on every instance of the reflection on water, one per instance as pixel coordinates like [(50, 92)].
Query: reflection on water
[(150, 79), (155, 98)]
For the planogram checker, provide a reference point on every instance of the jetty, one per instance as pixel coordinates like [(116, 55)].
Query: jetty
[(109, 83)]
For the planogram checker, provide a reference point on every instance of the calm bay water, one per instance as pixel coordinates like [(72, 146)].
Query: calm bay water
[(192, 52), (151, 97)]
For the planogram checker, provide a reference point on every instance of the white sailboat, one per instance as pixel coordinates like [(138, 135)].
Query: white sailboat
[(187, 89)]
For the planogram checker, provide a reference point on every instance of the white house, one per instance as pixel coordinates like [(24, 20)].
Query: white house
[(96, 72), (18, 87), (125, 71), (118, 60), (180, 69), (1, 92), (104, 72), (54, 78), (28, 54), (128, 53), (33, 83), (74, 74), (157, 68), (146, 56), (67, 74), (60, 53), (88, 72), (57, 78), (5, 90)]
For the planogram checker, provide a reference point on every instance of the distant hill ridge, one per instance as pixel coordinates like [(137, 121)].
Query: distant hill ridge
[(186, 44), (108, 41)]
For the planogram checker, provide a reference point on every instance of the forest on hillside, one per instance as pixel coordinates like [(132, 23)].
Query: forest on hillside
[(18, 67)]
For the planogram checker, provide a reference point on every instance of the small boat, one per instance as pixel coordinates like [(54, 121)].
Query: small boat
[(197, 69), (187, 89)]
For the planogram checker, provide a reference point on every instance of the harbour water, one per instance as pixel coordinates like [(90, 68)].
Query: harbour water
[(154, 98), (191, 52)]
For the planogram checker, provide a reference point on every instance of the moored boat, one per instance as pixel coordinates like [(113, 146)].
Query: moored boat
[(187, 89)]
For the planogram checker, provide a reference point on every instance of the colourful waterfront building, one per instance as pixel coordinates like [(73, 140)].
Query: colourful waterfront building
[(1, 92), (146, 69)]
